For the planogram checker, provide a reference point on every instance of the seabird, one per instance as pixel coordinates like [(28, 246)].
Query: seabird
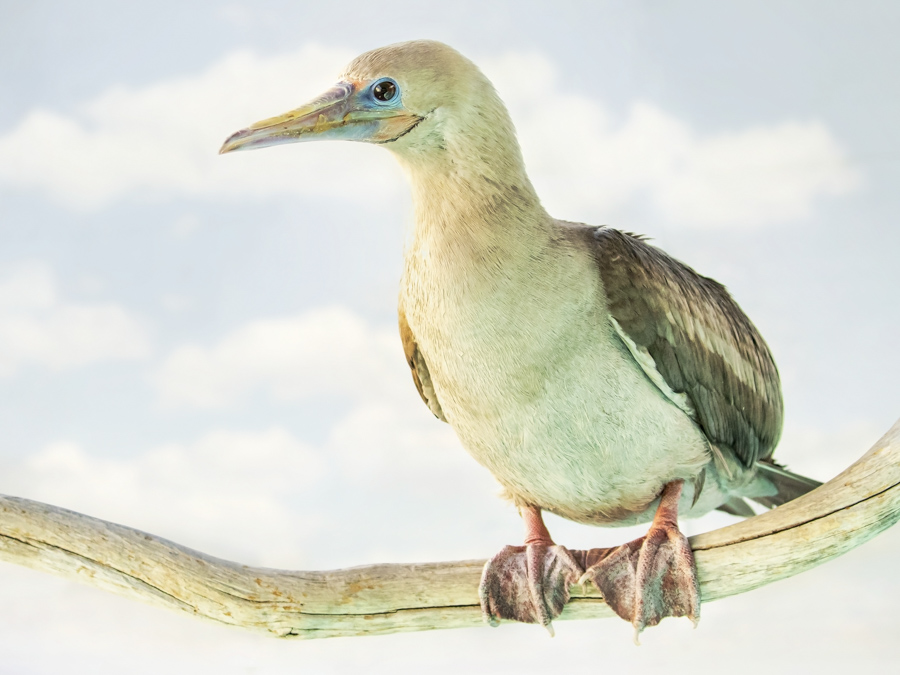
[(594, 375)]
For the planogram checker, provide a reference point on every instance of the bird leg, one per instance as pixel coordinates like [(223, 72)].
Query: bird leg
[(653, 577), (528, 583)]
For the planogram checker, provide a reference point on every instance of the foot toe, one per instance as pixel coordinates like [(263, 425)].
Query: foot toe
[(528, 583), (668, 579), (648, 579)]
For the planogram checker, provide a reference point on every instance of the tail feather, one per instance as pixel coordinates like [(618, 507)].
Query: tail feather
[(737, 507), (789, 485)]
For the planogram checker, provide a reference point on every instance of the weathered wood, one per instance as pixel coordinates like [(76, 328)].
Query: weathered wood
[(842, 514)]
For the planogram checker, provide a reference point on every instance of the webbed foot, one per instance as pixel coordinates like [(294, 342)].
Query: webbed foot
[(528, 583), (653, 577)]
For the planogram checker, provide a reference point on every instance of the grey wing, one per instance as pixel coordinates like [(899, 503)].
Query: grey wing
[(419, 368), (709, 354)]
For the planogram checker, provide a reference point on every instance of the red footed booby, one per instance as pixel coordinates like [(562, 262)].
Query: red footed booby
[(595, 376)]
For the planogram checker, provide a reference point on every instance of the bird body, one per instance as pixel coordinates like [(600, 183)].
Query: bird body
[(529, 371), (592, 374)]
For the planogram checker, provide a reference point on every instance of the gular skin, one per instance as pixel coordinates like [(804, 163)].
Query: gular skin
[(595, 376)]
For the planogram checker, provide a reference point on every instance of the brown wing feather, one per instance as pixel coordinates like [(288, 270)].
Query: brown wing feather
[(701, 341), (419, 369)]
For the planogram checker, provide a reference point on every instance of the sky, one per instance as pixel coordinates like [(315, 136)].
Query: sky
[(205, 347)]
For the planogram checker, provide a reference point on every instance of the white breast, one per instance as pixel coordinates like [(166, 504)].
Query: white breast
[(539, 388)]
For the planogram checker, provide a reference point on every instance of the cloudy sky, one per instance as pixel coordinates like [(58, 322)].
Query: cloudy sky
[(205, 348)]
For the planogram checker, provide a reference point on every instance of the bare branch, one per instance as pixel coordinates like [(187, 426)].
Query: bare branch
[(844, 513)]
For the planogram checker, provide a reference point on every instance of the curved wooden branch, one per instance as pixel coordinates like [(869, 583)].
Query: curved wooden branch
[(844, 513)]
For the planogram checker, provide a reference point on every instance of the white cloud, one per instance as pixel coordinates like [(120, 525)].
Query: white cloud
[(586, 164), (38, 328), (199, 493), (386, 451), (270, 498), (162, 140), (321, 352)]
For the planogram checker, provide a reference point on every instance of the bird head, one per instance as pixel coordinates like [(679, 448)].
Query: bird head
[(418, 98)]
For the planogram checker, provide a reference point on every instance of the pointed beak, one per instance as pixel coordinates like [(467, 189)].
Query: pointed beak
[(344, 112)]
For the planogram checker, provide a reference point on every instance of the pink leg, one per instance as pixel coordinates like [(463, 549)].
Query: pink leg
[(528, 583), (652, 577)]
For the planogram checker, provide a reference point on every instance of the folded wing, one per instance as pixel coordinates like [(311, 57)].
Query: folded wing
[(709, 357)]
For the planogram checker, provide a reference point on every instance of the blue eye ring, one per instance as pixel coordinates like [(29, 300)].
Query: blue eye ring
[(385, 91)]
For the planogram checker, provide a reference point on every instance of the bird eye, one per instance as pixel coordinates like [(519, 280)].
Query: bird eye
[(385, 90)]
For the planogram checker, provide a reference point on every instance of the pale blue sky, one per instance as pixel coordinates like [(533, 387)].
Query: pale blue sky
[(162, 308)]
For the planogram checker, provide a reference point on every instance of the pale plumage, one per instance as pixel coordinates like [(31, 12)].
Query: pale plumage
[(591, 373)]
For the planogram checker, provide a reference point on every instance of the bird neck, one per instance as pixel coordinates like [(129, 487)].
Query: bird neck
[(475, 197)]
